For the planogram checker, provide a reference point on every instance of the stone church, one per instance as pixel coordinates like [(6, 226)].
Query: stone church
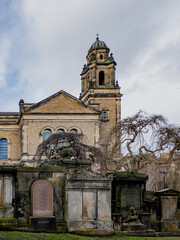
[(71, 192), (68, 195), (93, 114)]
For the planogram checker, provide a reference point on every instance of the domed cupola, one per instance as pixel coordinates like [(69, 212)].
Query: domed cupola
[(98, 45), (98, 52), (99, 72)]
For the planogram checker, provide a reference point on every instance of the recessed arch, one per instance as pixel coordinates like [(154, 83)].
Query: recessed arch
[(3, 148), (74, 130), (101, 78), (46, 133), (60, 130)]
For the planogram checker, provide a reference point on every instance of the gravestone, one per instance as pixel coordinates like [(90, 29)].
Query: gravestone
[(127, 191), (168, 198), (42, 193), (42, 202)]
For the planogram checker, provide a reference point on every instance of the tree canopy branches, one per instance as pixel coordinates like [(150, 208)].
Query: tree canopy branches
[(142, 138), (70, 145)]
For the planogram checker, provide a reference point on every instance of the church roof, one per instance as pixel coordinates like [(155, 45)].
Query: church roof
[(98, 45), (61, 103)]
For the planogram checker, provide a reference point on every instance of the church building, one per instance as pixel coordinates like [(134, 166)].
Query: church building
[(65, 193), (93, 115)]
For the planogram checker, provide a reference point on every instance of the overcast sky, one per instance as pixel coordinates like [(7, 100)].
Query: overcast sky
[(44, 43)]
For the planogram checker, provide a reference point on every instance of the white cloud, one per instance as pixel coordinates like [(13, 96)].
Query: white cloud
[(152, 80), (50, 42), (4, 54)]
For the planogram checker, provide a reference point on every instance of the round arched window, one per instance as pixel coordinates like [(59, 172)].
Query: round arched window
[(60, 130), (46, 134), (101, 78), (73, 130), (3, 148)]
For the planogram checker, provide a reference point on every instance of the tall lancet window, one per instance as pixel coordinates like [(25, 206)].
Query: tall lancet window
[(46, 134), (101, 78), (3, 148)]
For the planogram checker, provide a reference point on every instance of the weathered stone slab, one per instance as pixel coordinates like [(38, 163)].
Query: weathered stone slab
[(104, 204), (43, 223), (130, 197), (74, 204), (169, 207), (8, 188), (89, 204), (42, 194)]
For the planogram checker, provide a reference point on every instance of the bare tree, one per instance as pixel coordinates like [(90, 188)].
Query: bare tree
[(142, 138), (69, 145), (168, 138)]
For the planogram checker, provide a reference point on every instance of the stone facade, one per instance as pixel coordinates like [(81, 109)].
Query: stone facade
[(93, 115), (64, 194), (67, 193)]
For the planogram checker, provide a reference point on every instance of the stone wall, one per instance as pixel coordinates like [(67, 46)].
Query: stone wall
[(51, 198), (33, 130), (12, 134)]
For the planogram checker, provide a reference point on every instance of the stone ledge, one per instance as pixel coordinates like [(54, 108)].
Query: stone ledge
[(143, 233), (94, 232), (8, 224)]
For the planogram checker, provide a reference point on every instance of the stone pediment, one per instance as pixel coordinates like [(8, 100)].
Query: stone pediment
[(167, 192), (61, 102)]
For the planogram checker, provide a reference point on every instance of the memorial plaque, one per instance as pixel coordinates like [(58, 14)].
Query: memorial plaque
[(169, 207), (89, 204), (130, 197), (104, 204), (42, 197), (74, 205)]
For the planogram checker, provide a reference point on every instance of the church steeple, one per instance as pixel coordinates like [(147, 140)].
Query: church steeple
[(100, 90), (99, 72)]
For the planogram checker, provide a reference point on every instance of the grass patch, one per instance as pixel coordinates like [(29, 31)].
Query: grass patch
[(68, 236)]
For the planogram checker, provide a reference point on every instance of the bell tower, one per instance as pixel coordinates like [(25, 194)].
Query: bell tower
[(99, 72), (100, 89)]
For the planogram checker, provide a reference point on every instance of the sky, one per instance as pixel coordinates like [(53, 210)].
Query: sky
[(44, 43)]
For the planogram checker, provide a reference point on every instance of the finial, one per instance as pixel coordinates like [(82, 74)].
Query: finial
[(21, 101), (117, 84), (97, 35)]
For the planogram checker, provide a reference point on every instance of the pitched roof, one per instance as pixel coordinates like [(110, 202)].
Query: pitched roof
[(61, 102)]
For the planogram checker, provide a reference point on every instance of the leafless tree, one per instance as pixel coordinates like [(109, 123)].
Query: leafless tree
[(69, 145), (142, 138)]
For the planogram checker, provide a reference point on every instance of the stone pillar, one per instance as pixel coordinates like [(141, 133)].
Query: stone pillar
[(24, 141)]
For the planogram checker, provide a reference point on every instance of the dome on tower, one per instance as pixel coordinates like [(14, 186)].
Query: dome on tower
[(98, 45)]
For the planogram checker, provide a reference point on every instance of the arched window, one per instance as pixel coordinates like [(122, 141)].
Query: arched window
[(73, 130), (46, 133), (101, 78), (104, 116), (101, 57), (60, 130), (3, 148)]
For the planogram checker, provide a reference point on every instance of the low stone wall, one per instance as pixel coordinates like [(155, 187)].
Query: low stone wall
[(55, 199)]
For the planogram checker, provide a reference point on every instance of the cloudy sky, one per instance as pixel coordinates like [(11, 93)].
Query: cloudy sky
[(44, 43)]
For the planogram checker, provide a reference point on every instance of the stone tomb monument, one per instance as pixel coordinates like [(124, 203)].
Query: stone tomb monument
[(168, 199), (88, 201), (42, 205)]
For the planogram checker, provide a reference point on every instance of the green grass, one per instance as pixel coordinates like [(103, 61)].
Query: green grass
[(68, 236)]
